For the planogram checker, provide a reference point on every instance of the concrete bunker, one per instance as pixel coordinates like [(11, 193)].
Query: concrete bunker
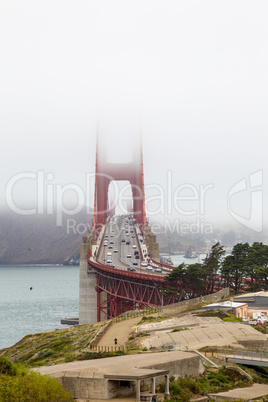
[(122, 376)]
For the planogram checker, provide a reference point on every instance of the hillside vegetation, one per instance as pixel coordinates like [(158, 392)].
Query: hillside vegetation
[(17, 383), (54, 347)]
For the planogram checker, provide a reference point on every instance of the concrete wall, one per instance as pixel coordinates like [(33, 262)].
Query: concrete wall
[(87, 283), (176, 308), (87, 379), (98, 388), (83, 385), (192, 366), (88, 387)]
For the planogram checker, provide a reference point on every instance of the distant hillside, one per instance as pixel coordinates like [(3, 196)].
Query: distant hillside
[(36, 239)]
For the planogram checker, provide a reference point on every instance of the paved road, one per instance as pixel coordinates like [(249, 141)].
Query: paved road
[(119, 229), (124, 236)]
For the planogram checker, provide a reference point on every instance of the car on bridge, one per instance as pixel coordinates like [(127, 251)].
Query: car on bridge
[(123, 240), (144, 264), (115, 250), (134, 246), (133, 269), (128, 255), (149, 268), (158, 270)]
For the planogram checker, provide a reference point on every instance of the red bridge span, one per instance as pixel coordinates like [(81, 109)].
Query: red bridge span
[(119, 257)]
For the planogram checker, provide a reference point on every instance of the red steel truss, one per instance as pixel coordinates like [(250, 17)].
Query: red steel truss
[(126, 290)]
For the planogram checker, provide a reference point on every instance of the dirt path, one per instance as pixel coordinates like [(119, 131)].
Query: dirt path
[(119, 330)]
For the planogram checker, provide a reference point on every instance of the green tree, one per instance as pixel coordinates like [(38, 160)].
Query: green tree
[(257, 263), (173, 283), (185, 279), (194, 280), (211, 266), (234, 267)]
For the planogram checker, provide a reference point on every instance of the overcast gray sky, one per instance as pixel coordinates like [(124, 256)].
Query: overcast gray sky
[(192, 74)]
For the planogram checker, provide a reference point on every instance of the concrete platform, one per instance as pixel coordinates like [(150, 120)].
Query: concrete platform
[(256, 391), (201, 332), (121, 376)]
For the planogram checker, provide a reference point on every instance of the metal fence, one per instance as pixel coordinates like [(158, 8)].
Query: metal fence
[(242, 354), (98, 348), (176, 308)]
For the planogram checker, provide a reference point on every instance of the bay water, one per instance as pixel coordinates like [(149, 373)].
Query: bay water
[(54, 295)]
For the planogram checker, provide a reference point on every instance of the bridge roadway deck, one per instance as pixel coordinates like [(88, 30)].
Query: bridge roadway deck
[(123, 272), (121, 231)]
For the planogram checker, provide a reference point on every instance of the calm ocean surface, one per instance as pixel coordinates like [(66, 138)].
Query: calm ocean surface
[(54, 295)]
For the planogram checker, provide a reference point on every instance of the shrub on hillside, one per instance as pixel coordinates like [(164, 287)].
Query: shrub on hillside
[(6, 367), (17, 383), (183, 389)]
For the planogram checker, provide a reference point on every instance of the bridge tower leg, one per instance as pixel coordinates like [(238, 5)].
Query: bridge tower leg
[(87, 285)]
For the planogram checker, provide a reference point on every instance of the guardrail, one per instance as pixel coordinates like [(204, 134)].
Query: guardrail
[(246, 357), (97, 348), (100, 335), (242, 354), (124, 271)]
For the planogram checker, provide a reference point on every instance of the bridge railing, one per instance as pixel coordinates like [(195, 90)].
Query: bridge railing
[(124, 271), (176, 308), (242, 354), (101, 348)]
